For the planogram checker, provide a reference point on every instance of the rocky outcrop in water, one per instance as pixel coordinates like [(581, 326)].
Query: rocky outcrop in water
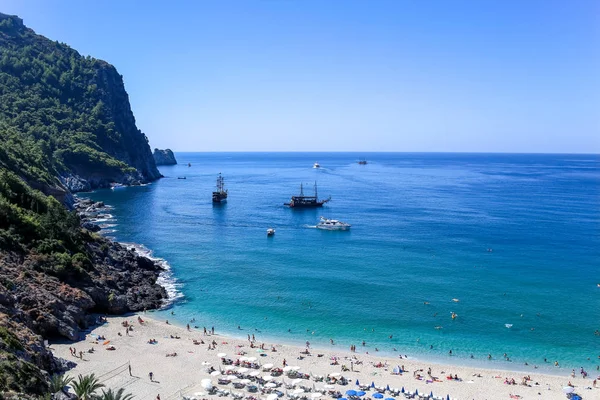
[(164, 157)]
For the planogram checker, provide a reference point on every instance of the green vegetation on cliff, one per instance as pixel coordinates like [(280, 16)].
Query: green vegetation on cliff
[(65, 125), (64, 114)]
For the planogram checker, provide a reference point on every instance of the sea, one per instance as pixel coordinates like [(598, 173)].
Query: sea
[(510, 243)]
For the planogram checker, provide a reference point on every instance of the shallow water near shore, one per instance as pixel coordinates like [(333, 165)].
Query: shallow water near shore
[(514, 238)]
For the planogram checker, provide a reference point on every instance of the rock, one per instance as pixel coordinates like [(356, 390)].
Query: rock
[(64, 396), (91, 226), (164, 157)]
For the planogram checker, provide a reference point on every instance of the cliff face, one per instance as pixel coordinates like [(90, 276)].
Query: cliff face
[(164, 157), (78, 125), (65, 125)]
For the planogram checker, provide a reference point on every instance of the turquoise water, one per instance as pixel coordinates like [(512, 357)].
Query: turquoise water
[(422, 225)]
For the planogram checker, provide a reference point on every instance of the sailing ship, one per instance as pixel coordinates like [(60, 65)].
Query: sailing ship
[(362, 161), (303, 201), (220, 195)]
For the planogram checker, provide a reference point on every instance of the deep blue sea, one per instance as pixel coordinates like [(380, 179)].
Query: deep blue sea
[(422, 229)]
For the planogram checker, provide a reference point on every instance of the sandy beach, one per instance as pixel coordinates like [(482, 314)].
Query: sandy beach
[(175, 376)]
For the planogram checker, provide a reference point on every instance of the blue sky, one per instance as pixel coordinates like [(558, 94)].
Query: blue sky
[(452, 75)]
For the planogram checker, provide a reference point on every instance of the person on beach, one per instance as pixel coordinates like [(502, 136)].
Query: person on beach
[(188, 327), (158, 397), (204, 331), (213, 330), (129, 367), (151, 376), (284, 362)]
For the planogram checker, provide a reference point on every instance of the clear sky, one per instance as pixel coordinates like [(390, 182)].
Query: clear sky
[(400, 75)]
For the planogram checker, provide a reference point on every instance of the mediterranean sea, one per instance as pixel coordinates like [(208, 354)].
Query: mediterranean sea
[(514, 239)]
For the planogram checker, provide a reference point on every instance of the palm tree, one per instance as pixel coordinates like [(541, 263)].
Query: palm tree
[(58, 382), (118, 395), (86, 386)]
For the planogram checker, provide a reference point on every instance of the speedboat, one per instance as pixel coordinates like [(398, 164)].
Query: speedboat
[(316, 165), (332, 225), (270, 232)]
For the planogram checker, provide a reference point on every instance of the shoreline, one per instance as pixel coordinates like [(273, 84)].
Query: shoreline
[(188, 368)]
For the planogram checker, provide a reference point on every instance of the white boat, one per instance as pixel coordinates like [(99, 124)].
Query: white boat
[(316, 165), (270, 232), (332, 225)]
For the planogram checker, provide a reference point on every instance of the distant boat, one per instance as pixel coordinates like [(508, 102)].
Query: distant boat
[(189, 164), (117, 186), (508, 325), (362, 161), (316, 165), (181, 177), (220, 195), (303, 201), (270, 232), (332, 225)]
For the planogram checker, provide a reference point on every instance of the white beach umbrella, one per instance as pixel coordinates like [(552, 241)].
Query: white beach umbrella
[(287, 368), (568, 389), (316, 395), (206, 384), (231, 377), (215, 373), (267, 367), (243, 370), (243, 358), (334, 374), (229, 368), (270, 385), (298, 391), (329, 386), (296, 381), (199, 394), (268, 377), (295, 368), (221, 355), (251, 359), (272, 396), (245, 381), (254, 373), (205, 363)]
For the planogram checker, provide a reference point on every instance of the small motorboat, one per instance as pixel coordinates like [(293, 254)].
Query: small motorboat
[(332, 225), (270, 232), (181, 177), (316, 165)]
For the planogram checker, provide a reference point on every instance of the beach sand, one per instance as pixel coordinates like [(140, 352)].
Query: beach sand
[(182, 374)]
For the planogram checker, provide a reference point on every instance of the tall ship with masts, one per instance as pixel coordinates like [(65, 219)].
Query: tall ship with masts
[(220, 195), (303, 201)]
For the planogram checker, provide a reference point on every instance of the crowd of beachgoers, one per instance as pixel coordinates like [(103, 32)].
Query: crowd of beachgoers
[(155, 359)]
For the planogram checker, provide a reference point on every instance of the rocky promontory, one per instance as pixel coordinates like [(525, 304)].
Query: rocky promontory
[(164, 157)]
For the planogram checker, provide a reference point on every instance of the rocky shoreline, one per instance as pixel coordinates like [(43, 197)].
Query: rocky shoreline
[(35, 305)]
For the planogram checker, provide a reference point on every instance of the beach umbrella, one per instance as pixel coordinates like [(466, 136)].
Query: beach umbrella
[(295, 368), (231, 377), (254, 373), (351, 392), (205, 363), (221, 355), (568, 389), (329, 386), (243, 370), (267, 366), (243, 358), (270, 385), (387, 387), (215, 373), (378, 396), (229, 368), (316, 395), (298, 391), (199, 394), (357, 383), (272, 396), (287, 368), (245, 381), (296, 381), (206, 384), (372, 384), (268, 377), (251, 359), (361, 393), (402, 389), (334, 374)]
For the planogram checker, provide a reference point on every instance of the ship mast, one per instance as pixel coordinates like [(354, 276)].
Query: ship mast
[(301, 191), (316, 190)]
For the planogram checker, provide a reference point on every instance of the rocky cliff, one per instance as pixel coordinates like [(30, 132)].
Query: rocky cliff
[(78, 115), (65, 125), (164, 157)]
